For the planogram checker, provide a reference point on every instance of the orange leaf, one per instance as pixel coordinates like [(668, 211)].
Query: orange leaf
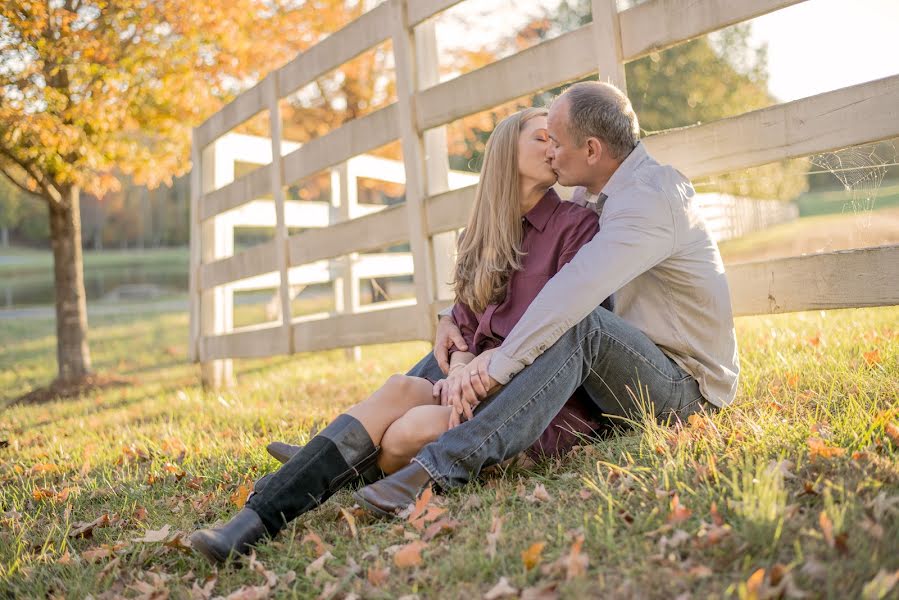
[(239, 496), (754, 584), (576, 562), (819, 448), (43, 468), (441, 526), (409, 555), (872, 357), (892, 431), (313, 537), (377, 577), (816, 340), (531, 557), (679, 513), (792, 380), (350, 520)]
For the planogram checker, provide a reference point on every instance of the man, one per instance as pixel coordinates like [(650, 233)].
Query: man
[(668, 345)]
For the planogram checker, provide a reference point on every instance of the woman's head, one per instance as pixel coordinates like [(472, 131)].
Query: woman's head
[(514, 161)]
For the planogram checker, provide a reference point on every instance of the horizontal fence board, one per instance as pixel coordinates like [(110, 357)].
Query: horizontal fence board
[(385, 326), (351, 139), (297, 213), (369, 30), (251, 262), (248, 104), (860, 114), (252, 186), (421, 10), (545, 65), (248, 342), (845, 279), (659, 24), (449, 210), (369, 233)]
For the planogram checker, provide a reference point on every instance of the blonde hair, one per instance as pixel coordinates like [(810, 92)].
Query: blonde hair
[(490, 247)]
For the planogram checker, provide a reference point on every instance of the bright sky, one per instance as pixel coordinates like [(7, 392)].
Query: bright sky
[(813, 47)]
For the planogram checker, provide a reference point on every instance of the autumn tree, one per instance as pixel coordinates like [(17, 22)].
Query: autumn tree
[(89, 88)]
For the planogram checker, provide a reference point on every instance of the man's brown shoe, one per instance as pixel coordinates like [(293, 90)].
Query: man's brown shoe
[(395, 492)]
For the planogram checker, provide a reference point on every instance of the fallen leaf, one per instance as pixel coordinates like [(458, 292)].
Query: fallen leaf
[(179, 542), (892, 431), (440, 527), (496, 528), (409, 555), (420, 504), (531, 557), (42, 468), (882, 584), (837, 542), (700, 571), (350, 520), (585, 494), (678, 513), (377, 576), (139, 514), (501, 590), (151, 535), (539, 494), (872, 358), (205, 592), (320, 547), (473, 501), (819, 448), (86, 530), (815, 341), (543, 592), (754, 585), (239, 496), (318, 564)]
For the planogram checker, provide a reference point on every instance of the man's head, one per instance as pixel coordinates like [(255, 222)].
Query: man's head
[(593, 128)]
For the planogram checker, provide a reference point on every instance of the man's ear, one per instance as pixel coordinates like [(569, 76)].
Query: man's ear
[(594, 150)]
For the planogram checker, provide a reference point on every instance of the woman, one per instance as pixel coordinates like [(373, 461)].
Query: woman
[(519, 234)]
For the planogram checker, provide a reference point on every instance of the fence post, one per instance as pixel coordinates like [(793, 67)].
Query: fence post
[(344, 199), (414, 159), (193, 349), (607, 43), (272, 93), (216, 241), (443, 245)]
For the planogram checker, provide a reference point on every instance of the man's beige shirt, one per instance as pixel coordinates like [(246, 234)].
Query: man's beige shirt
[(654, 252)]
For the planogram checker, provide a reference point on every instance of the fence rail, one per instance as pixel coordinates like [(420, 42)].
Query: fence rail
[(433, 210)]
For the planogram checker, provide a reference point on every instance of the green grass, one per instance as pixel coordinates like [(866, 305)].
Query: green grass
[(122, 452), (30, 261)]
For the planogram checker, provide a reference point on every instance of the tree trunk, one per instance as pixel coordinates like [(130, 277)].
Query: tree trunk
[(72, 354)]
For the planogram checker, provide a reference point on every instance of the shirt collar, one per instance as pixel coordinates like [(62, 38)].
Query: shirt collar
[(539, 215), (625, 171)]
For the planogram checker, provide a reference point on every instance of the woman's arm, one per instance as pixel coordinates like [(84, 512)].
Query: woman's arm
[(460, 359)]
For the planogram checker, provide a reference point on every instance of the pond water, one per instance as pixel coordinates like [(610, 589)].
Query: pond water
[(120, 282)]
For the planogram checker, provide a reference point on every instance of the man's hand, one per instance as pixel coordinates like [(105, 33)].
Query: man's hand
[(447, 335), (465, 387)]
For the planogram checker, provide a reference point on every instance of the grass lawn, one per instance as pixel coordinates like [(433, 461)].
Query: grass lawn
[(792, 490)]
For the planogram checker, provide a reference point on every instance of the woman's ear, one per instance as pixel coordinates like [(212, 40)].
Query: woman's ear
[(594, 150)]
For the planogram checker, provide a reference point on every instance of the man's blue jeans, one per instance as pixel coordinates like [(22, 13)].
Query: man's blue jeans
[(618, 366)]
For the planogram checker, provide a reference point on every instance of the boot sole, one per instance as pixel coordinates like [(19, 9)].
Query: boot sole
[(199, 542), (358, 497)]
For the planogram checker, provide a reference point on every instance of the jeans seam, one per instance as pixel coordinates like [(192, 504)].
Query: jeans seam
[(579, 350)]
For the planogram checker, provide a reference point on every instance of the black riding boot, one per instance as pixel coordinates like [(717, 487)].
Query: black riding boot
[(283, 452), (333, 458)]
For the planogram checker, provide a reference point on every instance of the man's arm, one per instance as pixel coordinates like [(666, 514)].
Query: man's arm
[(634, 238)]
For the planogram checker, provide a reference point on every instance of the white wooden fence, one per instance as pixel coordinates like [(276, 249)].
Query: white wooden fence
[(850, 116)]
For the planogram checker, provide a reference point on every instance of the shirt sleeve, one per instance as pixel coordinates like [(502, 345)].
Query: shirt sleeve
[(467, 322), (637, 233)]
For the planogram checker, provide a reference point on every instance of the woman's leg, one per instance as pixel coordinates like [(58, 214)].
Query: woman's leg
[(407, 435), (393, 400), (338, 454)]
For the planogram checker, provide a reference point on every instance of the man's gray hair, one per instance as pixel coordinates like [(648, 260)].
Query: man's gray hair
[(601, 110)]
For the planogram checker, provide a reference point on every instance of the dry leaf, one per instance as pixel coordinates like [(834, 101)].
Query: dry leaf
[(872, 358), (350, 520), (318, 564), (882, 584), (496, 529), (543, 592), (179, 542), (320, 547), (700, 571), (539, 494), (420, 504), (239, 496), (205, 592), (754, 584), (154, 536), (892, 431), (42, 468), (501, 590), (819, 448), (438, 528), (531, 557), (679, 513), (409, 555), (86, 530), (377, 577)]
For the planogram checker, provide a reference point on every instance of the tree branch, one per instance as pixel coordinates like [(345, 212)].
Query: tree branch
[(17, 183), (50, 190)]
